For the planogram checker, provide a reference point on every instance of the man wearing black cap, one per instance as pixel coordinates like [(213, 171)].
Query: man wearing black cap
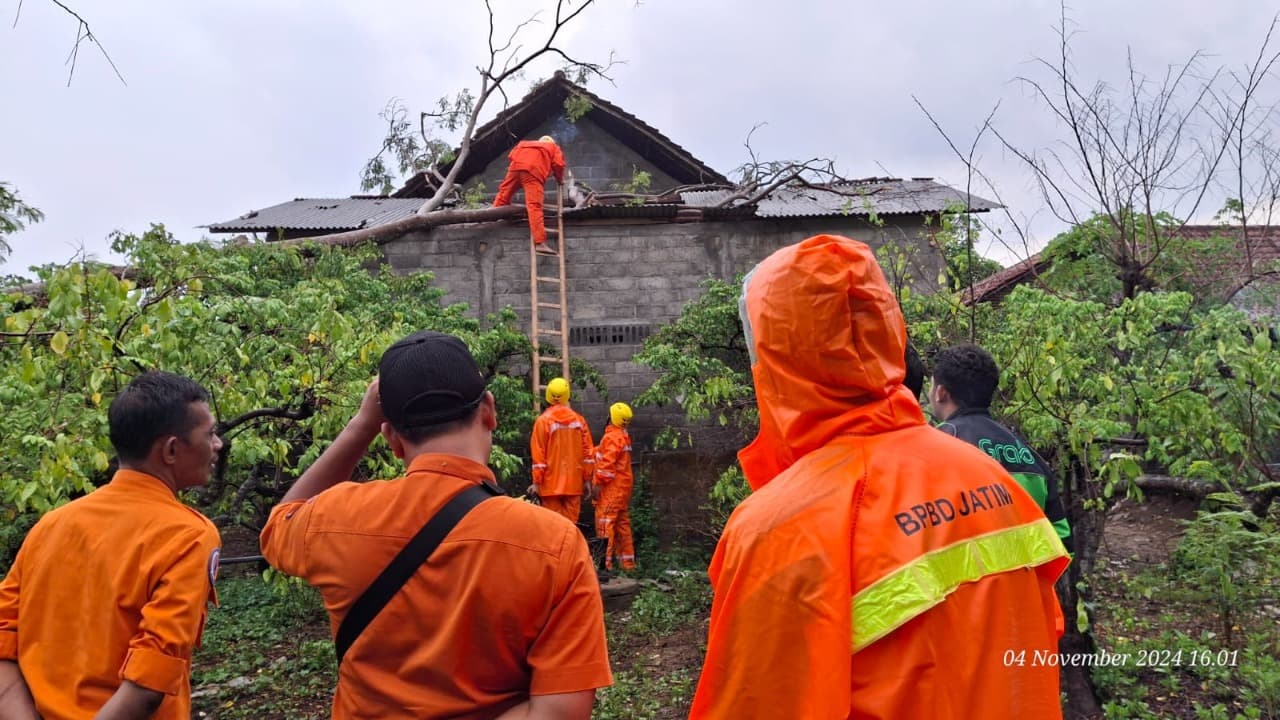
[(503, 618)]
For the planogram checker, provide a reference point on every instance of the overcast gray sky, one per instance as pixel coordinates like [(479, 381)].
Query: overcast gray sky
[(240, 104)]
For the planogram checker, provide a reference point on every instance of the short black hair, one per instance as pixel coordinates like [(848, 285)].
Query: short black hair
[(418, 435), (155, 404), (969, 374), (915, 371)]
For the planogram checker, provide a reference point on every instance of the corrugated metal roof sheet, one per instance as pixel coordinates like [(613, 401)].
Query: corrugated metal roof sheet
[(879, 197), (882, 197), (648, 210), (322, 214)]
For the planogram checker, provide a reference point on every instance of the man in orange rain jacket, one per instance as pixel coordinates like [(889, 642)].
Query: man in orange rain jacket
[(531, 162), (107, 597), (613, 488), (880, 569), (563, 457)]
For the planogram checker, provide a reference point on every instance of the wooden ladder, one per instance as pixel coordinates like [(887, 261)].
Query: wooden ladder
[(538, 327)]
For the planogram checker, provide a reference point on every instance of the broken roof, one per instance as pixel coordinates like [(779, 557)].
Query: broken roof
[(546, 101), (325, 214), (861, 198), (872, 196)]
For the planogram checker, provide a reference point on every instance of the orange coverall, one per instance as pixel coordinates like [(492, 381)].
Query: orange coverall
[(110, 587), (563, 459), (531, 162), (613, 508), (879, 569)]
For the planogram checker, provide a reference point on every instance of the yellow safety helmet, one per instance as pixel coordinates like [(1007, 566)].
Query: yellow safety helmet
[(620, 414), (557, 391), (547, 138)]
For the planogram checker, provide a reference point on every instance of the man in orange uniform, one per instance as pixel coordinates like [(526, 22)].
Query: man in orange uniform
[(106, 599), (613, 488), (880, 569), (503, 620), (562, 453), (531, 162)]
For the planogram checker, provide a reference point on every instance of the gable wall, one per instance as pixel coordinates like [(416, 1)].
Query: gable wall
[(594, 156)]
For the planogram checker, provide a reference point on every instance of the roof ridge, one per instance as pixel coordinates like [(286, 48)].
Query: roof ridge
[(486, 147)]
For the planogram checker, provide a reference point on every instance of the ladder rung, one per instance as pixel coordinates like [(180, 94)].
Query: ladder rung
[(547, 358), (543, 278), (553, 306), (550, 332)]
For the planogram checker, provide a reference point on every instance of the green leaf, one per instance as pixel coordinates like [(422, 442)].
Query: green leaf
[(58, 343)]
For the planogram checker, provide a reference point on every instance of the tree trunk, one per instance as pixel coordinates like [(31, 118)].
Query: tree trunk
[(379, 234), (390, 231), (1086, 530), (1194, 489)]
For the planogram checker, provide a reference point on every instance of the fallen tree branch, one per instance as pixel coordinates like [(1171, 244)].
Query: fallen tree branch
[(385, 233), (1195, 489)]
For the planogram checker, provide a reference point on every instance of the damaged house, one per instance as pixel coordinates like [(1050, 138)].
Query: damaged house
[(632, 259)]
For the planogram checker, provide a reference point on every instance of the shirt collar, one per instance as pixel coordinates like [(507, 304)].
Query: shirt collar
[(969, 411), (142, 483), (454, 465)]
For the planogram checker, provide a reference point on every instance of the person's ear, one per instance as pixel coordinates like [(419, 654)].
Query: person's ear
[(394, 441), (940, 393), (169, 450), (489, 412)]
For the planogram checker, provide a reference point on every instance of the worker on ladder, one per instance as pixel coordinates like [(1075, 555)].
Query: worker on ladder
[(563, 455), (531, 162)]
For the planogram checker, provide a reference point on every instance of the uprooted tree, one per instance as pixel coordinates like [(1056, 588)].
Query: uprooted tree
[(285, 339)]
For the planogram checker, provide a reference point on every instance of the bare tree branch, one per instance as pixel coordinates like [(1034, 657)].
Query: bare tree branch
[(83, 33)]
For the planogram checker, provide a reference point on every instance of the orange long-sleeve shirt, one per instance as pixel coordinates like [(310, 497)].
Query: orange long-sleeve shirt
[(538, 158), (563, 455), (107, 588), (508, 606)]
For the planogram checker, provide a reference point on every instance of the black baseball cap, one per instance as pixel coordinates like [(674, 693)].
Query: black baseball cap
[(426, 379)]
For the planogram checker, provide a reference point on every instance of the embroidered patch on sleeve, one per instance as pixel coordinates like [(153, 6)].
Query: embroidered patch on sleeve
[(214, 558)]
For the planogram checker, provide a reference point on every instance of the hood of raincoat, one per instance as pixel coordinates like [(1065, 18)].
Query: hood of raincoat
[(828, 343)]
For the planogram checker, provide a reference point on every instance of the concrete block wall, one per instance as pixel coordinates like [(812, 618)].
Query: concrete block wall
[(595, 157), (639, 272)]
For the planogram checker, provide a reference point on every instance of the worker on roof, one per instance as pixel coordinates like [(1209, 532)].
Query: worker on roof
[(531, 162), (880, 569), (613, 482), (563, 456)]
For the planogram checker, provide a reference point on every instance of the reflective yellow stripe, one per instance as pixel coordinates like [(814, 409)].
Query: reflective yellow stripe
[(926, 581)]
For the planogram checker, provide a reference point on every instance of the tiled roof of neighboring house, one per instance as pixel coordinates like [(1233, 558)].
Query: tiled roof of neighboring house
[(878, 196), (994, 287), (496, 137), (1225, 273), (327, 214), (1213, 272)]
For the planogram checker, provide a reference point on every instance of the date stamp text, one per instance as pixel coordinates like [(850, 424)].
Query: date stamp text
[(1138, 658)]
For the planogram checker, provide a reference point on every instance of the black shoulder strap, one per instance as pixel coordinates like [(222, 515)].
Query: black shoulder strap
[(405, 564)]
